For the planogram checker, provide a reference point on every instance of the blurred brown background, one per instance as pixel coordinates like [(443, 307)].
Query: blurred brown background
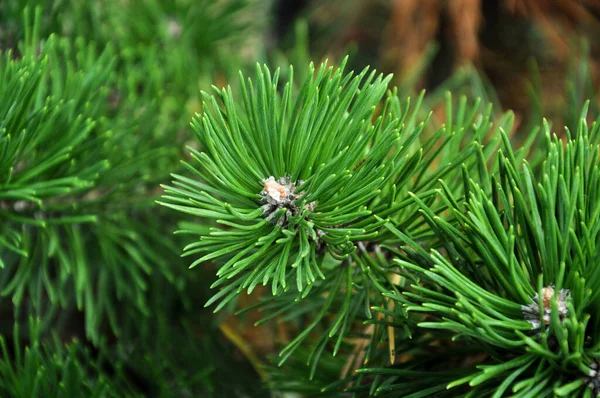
[(528, 51)]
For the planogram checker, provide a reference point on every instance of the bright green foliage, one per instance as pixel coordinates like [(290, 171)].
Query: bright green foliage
[(312, 140), (335, 166), (515, 233), (518, 232), (447, 237), (409, 252), (348, 174)]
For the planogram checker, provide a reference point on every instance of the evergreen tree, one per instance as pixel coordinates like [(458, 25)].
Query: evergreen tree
[(410, 244)]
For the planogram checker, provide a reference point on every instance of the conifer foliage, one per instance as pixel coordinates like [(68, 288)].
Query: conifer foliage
[(403, 247), (284, 176), (476, 265), (87, 134)]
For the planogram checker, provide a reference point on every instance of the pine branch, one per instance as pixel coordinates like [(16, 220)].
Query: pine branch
[(520, 274)]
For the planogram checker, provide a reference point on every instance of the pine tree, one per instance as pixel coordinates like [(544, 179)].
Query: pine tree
[(412, 244)]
